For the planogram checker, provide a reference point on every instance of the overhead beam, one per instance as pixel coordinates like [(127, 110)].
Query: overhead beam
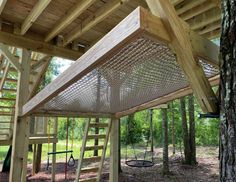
[(2, 5), (214, 81), (181, 45), (34, 14), (74, 13), (36, 79), (38, 46), (189, 5), (10, 57), (93, 20)]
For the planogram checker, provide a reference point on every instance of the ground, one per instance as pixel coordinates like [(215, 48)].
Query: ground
[(205, 171)]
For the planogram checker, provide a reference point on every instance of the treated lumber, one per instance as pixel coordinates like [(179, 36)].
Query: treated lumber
[(198, 10), (89, 180), (176, 2), (114, 151), (89, 170), (209, 17), (214, 81), (123, 33), (34, 14), (40, 62), (93, 20), (4, 76), (21, 125), (38, 46), (189, 5), (185, 57), (75, 12), (213, 34), (92, 159), (2, 5), (41, 69), (210, 28), (10, 57)]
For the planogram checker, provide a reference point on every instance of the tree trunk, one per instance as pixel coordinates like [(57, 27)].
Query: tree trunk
[(187, 151), (173, 126), (165, 169), (38, 158), (228, 92), (192, 142)]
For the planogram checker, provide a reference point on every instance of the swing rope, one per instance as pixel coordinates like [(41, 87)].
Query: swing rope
[(138, 162)]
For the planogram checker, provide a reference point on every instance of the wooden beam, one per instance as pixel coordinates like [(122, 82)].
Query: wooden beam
[(214, 81), (75, 12), (198, 10), (93, 20), (182, 47), (176, 2), (2, 5), (205, 19), (34, 14), (114, 151), (38, 46), (121, 35), (189, 5), (213, 34), (39, 76), (4, 76), (210, 28), (21, 125), (10, 57)]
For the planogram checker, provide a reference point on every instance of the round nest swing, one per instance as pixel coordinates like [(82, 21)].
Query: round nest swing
[(139, 163)]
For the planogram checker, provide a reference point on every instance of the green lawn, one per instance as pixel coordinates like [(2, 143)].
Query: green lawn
[(61, 146)]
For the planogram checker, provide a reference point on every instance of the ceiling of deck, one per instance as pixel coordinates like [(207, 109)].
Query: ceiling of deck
[(203, 16)]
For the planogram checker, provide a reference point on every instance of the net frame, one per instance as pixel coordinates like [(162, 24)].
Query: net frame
[(139, 27)]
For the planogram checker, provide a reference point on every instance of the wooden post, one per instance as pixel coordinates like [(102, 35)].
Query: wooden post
[(21, 124), (34, 159), (114, 151), (54, 148)]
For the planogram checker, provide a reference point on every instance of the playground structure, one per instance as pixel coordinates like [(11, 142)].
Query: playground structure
[(147, 59)]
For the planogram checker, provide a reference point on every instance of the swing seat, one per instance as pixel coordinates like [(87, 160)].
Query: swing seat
[(139, 163)]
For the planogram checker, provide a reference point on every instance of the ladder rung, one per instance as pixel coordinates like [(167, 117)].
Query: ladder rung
[(8, 90), (88, 180), (7, 107), (96, 136), (89, 170), (99, 125), (6, 114), (92, 159), (7, 99), (2, 122), (96, 147)]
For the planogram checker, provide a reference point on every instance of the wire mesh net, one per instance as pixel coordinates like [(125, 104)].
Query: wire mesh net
[(141, 71)]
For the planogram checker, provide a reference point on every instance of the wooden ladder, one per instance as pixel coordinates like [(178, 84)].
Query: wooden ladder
[(99, 159)]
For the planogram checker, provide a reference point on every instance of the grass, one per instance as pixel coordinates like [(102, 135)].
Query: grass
[(61, 146)]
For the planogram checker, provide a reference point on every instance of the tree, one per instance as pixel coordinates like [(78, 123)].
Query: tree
[(192, 142), (173, 126), (165, 169), (187, 151), (228, 92)]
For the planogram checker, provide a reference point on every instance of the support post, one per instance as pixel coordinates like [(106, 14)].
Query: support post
[(54, 148), (114, 151), (21, 124)]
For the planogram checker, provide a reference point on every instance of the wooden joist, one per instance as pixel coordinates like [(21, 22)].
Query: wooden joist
[(38, 46), (176, 2), (2, 5), (34, 14), (189, 5), (93, 20), (77, 10), (198, 10), (10, 57)]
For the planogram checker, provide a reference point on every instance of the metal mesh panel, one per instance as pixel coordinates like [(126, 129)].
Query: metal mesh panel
[(141, 71)]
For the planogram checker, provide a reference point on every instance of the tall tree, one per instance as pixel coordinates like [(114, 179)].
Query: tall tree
[(187, 151), (228, 92), (173, 125), (165, 168), (192, 142)]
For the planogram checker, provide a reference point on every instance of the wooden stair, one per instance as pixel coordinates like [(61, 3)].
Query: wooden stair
[(97, 161)]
